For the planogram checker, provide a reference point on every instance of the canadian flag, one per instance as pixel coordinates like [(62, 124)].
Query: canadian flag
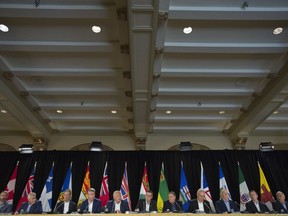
[(11, 184)]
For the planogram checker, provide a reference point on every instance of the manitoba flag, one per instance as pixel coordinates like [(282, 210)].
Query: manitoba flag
[(11, 184)]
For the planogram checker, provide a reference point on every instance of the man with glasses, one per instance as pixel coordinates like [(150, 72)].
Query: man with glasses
[(147, 204), (199, 204)]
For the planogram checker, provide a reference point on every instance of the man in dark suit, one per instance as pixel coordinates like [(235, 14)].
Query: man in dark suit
[(33, 206), (172, 205), (66, 206), (199, 204), (147, 204), (255, 206), (117, 205), (91, 205), (280, 206), (224, 205), (5, 207)]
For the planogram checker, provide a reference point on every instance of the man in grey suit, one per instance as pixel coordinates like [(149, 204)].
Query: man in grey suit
[(5, 207)]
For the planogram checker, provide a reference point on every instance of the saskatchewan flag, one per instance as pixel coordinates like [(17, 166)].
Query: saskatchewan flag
[(163, 190), (145, 184), (265, 192), (243, 189)]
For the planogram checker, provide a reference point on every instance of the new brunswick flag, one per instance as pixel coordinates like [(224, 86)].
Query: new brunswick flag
[(265, 192), (163, 190), (145, 184), (85, 187)]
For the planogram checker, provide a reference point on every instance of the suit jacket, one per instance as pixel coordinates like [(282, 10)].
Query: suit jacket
[(251, 207), (168, 206), (278, 207), (111, 206), (6, 208), (142, 205), (96, 208), (60, 207), (221, 207), (193, 206), (36, 208)]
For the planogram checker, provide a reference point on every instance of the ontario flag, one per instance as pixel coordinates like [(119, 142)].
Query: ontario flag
[(85, 187), (10, 188), (205, 187), (104, 191), (145, 184), (265, 192), (28, 188), (125, 187)]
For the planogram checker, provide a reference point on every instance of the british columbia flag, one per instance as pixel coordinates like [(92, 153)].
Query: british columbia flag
[(125, 188), (104, 191)]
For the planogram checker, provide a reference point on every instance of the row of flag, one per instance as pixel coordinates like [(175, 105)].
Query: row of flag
[(185, 196)]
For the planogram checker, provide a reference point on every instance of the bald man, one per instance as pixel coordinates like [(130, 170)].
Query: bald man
[(117, 205), (33, 206), (224, 205)]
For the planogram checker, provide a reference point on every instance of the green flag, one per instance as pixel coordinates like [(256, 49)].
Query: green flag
[(163, 190)]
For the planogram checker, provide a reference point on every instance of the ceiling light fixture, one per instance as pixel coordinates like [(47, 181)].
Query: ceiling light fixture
[(187, 30), (168, 112), (96, 29), (3, 111), (4, 28), (222, 112), (114, 111), (275, 112), (59, 111), (277, 31)]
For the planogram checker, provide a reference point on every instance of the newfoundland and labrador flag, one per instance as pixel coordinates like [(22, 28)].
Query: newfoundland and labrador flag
[(205, 187)]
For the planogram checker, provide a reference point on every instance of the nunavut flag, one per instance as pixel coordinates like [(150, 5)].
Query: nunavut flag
[(265, 192), (86, 185)]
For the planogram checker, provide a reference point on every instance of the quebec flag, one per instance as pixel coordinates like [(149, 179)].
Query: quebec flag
[(46, 195)]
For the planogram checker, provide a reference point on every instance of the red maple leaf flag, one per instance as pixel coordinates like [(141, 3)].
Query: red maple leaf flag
[(11, 184)]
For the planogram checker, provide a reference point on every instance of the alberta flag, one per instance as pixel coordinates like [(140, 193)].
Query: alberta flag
[(67, 183), (10, 188), (205, 187), (185, 196), (28, 188), (222, 181), (125, 187), (46, 195), (145, 184), (104, 191), (243, 188)]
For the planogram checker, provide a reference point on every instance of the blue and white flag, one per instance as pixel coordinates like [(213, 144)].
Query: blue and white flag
[(67, 183), (185, 196), (222, 182), (205, 187), (46, 195)]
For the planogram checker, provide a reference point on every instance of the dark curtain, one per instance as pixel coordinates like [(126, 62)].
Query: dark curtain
[(274, 165)]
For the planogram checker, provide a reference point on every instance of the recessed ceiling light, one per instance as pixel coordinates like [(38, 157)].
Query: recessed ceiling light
[(168, 112), (275, 112), (4, 28), (187, 30), (96, 29), (59, 111), (3, 111), (222, 112), (113, 111), (277, 31)]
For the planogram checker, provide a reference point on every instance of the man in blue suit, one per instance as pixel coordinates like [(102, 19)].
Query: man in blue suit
[(224, 205), (117, 205), (91, 205), (33, 206)]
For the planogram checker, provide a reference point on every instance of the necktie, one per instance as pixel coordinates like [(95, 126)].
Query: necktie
[(28, 208)]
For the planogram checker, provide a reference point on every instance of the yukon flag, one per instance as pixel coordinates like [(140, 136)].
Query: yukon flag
[(125, 187), (10, 188), (85, 187), (163, 190), (205, 187), (104, 191), (145, 184), (265, 192), (67, 183), (243, 188), (222, 181), (28, 188), (46, 195), (185, 195)]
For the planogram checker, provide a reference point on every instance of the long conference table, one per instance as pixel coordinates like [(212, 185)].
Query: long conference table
[(162, 214)]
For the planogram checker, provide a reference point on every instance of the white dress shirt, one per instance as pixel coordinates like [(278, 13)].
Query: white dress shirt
[(66, 207), (147, 207), (90, 206), (117, 206), (201, 206)]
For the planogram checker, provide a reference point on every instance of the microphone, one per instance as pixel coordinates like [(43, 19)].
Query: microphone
[(57, 207), (22, 211), (179, 206), (237, 205), (210, 210)]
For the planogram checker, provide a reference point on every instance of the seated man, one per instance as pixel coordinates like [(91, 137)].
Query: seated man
[(66, 206), (91, 205), (117, 205), (224, 205), (5, 207), (33, 206), (255, 206), (147, 204), (280, 206), (199, 204), (172, 205)]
